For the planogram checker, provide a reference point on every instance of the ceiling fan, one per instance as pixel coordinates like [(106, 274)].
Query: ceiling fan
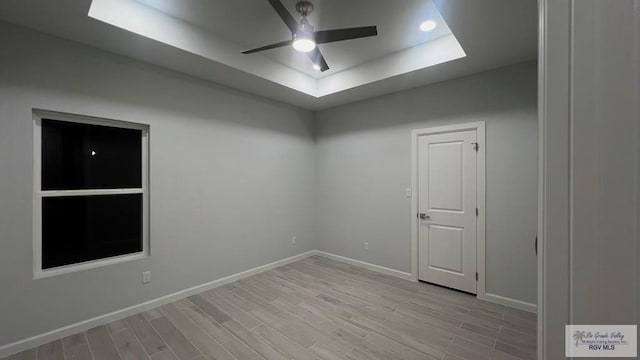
[(305, 39)]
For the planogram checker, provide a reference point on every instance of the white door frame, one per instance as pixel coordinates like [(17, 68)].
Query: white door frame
[(561, 130), (554, 182), (479, 127)]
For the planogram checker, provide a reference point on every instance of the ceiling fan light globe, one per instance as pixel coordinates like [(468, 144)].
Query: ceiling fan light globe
[(304, 44)]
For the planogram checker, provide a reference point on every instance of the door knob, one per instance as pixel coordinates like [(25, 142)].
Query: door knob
[(424, 216)]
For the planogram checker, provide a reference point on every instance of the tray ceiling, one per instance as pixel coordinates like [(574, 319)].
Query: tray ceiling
[(204, 38), (253, 23), (220, 30)]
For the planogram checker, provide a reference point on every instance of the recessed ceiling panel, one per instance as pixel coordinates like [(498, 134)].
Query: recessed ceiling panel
[(220, 30), (254, 23)]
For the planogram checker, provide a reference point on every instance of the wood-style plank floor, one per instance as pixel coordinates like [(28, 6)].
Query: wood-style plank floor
[(315, 308)]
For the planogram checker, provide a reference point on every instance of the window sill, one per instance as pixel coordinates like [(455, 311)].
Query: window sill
[(68, 269)]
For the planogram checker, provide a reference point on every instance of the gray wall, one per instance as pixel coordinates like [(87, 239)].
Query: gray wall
[(604, 158), (232, 179), (363, 168)]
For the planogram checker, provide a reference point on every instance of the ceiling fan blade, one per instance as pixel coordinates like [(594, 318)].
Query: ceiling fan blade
[(285, 15), (317, 58), (268, 47), (327, 36)]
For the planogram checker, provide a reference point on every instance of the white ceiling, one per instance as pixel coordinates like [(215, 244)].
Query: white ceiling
[(203, 38)]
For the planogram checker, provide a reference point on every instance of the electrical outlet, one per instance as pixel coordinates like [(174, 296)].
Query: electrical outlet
[(146, 277), (293, 240), (366, 246)]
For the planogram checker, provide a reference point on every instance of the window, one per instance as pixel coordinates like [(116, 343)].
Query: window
[(91, 193)]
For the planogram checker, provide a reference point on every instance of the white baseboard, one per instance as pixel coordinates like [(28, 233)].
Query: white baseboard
[(513, 303), (366, 265), (47, 337)]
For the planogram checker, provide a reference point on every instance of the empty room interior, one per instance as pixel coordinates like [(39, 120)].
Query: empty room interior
[(283, 179)]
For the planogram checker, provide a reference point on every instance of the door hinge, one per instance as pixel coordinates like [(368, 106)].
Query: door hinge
[(476, 146), (477, 212), (476, 276)]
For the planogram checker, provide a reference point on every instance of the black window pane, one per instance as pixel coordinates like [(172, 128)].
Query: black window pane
[(83, 228), (80, 156)]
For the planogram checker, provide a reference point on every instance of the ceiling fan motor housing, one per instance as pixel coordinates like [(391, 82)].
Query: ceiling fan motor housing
[(304, 8)]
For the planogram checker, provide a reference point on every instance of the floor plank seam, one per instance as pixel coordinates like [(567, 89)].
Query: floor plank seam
[(114, 343)]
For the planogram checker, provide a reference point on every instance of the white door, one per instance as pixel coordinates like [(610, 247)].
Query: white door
[(447, 185)]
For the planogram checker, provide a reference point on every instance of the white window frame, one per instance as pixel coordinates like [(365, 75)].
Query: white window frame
[(38, 115)]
